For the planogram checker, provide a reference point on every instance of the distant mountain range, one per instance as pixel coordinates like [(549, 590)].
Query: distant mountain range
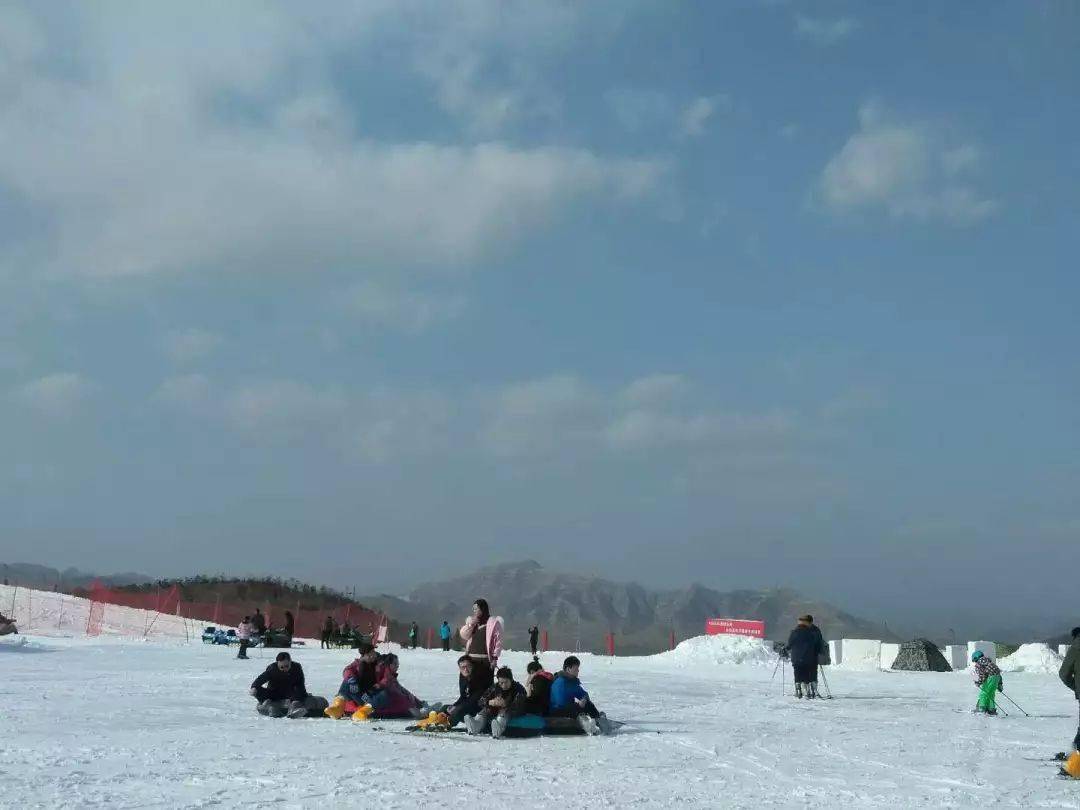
[(579, 611), (44, 578)]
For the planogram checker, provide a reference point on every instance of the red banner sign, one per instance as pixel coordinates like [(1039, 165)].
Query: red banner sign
[(735, 627)]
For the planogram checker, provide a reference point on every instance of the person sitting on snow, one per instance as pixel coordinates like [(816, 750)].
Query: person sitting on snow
[(357, 681), (470, 689), (7, 626), (988, 679), (569, 699), (537, 697), (388, 698), (281, 691), (495, 704)]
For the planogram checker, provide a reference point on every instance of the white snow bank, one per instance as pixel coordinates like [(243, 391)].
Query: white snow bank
[(1031, 658), (859, 654), (47, 613), (12, 643), (713, 650)]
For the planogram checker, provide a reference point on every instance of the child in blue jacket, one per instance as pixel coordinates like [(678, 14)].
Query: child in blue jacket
[(569, 699)]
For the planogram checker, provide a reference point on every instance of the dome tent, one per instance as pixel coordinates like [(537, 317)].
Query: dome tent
[(921, 655)]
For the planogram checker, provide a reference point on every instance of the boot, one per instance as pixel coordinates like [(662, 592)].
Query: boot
[(1072, 765), (336, 709), (363, 713), (813, 690), (588, 725), (499, 724), (798, 690)]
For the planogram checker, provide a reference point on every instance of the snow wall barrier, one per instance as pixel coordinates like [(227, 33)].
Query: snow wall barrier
[(957, 656), (889, 651)]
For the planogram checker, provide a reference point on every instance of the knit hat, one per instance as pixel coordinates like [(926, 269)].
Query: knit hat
[(975, 656)]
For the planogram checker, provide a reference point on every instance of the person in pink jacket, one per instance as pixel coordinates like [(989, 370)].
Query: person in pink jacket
[(389, 698), (474, 634), (243, 632)]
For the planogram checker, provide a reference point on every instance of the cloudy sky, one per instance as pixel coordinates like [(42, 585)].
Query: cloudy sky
[(748, 293)]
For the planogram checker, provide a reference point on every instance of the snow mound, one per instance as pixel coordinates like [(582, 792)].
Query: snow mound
[(1031, 658), (12, 643), (713, 650)]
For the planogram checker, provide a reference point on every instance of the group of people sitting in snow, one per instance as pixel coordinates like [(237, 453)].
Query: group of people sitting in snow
[(488, 700)]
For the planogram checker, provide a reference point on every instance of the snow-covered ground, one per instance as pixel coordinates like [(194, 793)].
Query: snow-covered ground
[(124, 723)]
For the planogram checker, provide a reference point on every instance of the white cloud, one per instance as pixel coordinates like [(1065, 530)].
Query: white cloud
[(190, 345), (283, 408), (127, 156), (909, 170), (637, 109), (190, 392), (563, 414), (412, 311), (644, 429), (694, 118), (825, 32), (655, 388), (55, 395)]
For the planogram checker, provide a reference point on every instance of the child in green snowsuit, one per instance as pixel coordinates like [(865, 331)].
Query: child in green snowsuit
[(988, 679)]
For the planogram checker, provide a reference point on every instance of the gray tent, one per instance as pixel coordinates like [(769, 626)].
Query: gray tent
[(921, 655)]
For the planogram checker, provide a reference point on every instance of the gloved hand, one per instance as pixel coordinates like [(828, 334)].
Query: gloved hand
[(1001, 685), (251, 691)]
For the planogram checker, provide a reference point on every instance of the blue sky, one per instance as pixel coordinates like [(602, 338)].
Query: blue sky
[(743, 293)]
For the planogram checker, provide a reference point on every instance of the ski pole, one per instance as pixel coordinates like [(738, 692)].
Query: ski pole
[(1014, 703), (828, 689)]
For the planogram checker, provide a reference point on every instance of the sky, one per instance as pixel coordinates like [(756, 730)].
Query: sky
[(745, 293)]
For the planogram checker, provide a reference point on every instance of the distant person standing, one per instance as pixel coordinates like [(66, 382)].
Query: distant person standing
[(258, 622), (534, 637), (243, 632), (444, 634), (805, 644), (414, 633), (327, 633), (290, 625)]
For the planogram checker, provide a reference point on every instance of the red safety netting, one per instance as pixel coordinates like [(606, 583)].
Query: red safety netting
[(307, 622)]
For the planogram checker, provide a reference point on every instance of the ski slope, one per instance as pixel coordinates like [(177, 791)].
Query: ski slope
[(124, 723)]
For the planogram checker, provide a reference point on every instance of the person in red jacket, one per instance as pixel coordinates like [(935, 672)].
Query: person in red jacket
[(357, 681)]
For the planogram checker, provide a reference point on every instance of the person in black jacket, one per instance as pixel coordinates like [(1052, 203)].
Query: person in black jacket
[(470, 688), (281, 691), (258, 622), (327, 633), (290, 624), (537, 697), (534, 636), (495, 704), (805, 644)]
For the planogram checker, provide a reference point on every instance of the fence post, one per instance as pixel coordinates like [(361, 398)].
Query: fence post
[(611, 644), (430, 634), (60, 618), (217, 610), (29, 608), (544, 642), (673, 639)]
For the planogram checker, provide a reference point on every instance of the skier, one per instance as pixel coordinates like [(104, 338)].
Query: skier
[(444, 634), (414, 632), (496, 703), (243, 632), (805, 644), (569, 699), (357, 681), (280, 691), (474, 634), (7, 626), (327, 633), (988, 679), (1070, 676), (534, 635)]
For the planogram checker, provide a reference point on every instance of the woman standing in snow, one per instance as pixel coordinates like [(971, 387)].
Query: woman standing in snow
[(474, 634)]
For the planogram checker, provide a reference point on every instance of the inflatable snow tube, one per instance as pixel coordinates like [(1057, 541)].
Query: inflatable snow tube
[(526, 725)]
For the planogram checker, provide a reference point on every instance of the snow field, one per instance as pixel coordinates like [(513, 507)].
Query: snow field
[(121, 724)]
